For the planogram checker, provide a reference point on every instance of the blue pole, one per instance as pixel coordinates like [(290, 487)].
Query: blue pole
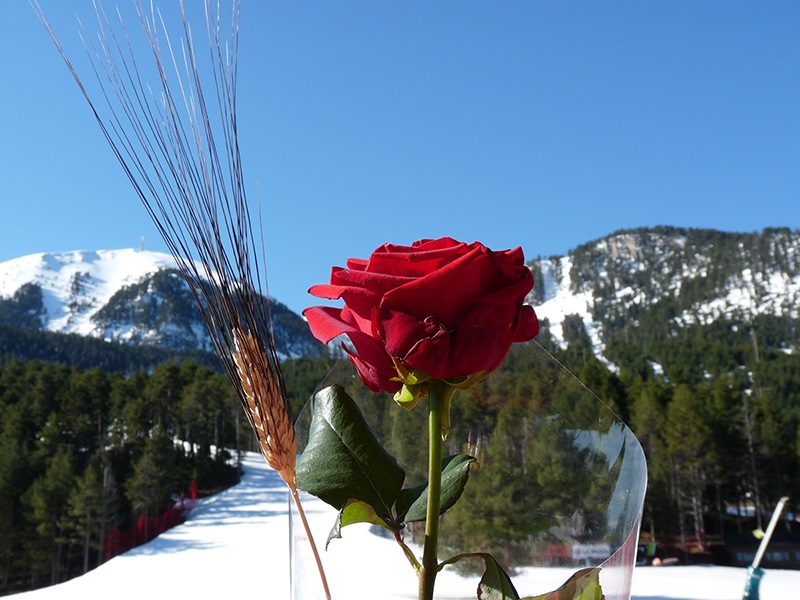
[(754, 573)]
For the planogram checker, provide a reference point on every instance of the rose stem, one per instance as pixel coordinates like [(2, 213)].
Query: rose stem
[(437, 390), (302, 513)]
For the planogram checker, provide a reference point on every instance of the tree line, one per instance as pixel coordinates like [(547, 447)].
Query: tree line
[(716, 411), (84, 451), (22, 343), (716, 408)]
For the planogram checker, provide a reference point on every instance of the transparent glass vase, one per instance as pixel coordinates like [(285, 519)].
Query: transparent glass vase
[(558, 486)]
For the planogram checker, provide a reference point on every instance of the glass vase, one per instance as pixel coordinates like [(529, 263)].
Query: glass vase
[(558, 486)]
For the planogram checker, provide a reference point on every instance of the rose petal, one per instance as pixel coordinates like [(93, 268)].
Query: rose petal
[(334, 292), (400, 332), (374, 377), (527, 325), (375, 282), (482, 337), (420, 246), (434, 354), (414, 342), (448, 290), (414, 262), (357, 264), (515, 292), (373, 364), (326, 322)]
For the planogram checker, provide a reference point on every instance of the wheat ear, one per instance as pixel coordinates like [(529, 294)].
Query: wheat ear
[(270, 418), (269, 411), (182, 158)]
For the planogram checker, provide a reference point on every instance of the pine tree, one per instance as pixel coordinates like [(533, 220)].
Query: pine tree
[(14, 480), (91, 508), (647, 421), (692, 462), (163, 392), (48, 501), (155, 475)]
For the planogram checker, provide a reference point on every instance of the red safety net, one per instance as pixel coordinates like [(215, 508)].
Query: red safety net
[(148, 528)]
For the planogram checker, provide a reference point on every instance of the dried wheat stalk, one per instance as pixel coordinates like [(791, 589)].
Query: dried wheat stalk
[(270, 416), (181, 155)]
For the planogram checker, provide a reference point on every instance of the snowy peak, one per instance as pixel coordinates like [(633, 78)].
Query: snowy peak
[(75, 285), (685, 276), (128, 295), (558, 299)]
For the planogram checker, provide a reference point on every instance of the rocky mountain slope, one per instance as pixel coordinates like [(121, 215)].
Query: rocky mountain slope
[(128, 295), (633, 286), (666, 280)]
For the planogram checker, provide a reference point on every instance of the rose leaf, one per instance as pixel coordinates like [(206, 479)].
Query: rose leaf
[(495, 583), (583, 585), (412, 502), (343, 461), (356, 511)]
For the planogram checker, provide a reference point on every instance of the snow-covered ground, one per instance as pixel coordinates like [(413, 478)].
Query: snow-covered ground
[(235, 545), (560, 301), (75, 285)]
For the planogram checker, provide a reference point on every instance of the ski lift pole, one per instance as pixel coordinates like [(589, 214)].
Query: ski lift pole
[(754, 572)]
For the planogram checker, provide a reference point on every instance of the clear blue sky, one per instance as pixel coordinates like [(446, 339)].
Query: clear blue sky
[(540, 124)]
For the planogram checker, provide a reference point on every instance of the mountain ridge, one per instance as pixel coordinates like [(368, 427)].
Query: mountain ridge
[(631, 284), (130, 296), (668, 278)]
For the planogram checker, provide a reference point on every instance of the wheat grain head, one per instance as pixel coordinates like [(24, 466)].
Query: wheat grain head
[(267, 406)]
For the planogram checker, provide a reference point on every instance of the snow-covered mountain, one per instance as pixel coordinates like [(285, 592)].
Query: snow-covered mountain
[(127, 295), (658, 281), (670, 279)]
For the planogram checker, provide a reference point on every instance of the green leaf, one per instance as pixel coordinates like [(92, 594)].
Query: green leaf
[(355, 511), (343, 461), (495, 583), (583, 585), (408, 395), (412, 502)]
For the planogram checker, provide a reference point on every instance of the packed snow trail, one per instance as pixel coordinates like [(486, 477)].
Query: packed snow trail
[(235, 545)]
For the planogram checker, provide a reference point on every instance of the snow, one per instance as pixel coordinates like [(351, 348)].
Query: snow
[(559, 301), (775, 290), (753, 294), (235, 545), (99, 274)]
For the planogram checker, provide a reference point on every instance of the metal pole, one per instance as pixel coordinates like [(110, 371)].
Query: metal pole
[(754, 573), (770, 529)]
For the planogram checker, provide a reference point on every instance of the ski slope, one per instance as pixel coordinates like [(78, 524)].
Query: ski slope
[(235, 545)]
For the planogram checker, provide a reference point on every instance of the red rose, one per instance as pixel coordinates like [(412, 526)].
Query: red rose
[(441, 308)]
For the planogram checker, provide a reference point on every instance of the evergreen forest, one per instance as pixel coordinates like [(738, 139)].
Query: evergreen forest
[(83, 452), (84, 449), (720, 429)]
